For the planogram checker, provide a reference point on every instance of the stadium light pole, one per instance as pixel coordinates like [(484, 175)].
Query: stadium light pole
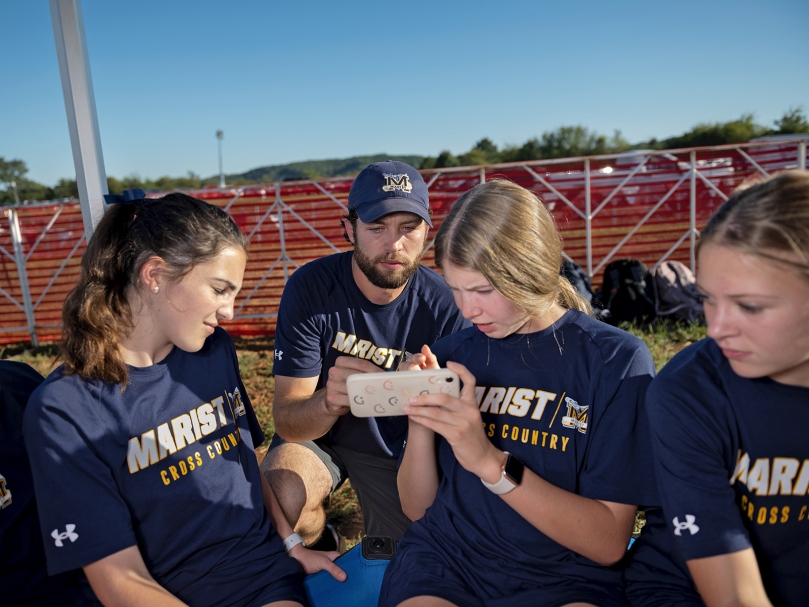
[(220, 135)]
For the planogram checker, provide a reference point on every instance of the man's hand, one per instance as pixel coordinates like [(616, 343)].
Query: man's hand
[(336, 391), (421, 360), (301, 413)]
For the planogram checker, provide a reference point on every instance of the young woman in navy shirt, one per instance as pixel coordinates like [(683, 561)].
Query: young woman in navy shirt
[(523, 491), (730, 414), (142, 442)]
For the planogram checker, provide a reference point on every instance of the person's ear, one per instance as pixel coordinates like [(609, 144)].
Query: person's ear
[(153, 274), (349, 228)]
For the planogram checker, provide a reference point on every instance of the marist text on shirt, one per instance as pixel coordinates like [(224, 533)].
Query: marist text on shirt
[(182, 431), (362, 348), (770, 477), (519, 403)]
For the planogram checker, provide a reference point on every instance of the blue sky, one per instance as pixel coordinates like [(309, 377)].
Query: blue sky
[(290, 81)]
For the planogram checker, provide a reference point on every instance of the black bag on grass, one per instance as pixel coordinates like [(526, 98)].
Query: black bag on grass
[(576, 275), (624, 292), (673, 290)]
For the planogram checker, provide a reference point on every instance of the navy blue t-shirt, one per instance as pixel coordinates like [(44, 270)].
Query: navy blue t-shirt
[(323, 315), (167, 465), (566, 401), (732, 457), (24, 579)]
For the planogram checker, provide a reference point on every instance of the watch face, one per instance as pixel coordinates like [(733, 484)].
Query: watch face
[(514, 469)]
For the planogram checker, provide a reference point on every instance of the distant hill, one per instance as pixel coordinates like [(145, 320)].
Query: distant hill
[(313, 169)]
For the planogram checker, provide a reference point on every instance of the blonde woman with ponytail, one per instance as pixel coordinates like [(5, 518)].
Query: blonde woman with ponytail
[(730, 413), (523, 491)]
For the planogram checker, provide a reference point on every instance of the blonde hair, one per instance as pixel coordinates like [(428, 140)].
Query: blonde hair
[(765, 219), (505, 232)]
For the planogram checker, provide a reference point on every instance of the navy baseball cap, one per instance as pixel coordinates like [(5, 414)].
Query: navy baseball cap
[(389, 187)]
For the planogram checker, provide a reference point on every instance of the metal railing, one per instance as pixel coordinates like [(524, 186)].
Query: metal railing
[(644, 204)]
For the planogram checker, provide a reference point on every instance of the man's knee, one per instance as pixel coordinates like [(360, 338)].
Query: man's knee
[(296, 474), (300, 481)]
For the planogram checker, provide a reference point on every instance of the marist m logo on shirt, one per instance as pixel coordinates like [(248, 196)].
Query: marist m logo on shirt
[(576, 416), (5, 494)]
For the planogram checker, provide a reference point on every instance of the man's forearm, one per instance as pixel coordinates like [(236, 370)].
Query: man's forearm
[(299, 419)]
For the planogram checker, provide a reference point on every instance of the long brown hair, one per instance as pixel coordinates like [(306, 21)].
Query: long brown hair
[(765, 219), (181, 230), (505, 232)]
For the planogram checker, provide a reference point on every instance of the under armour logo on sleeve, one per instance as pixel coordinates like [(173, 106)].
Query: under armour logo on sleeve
[(688, 524), (279, 354), (69, 534)]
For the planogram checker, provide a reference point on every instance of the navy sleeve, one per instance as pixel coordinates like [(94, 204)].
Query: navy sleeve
[(689, 442), (297, 334), (256, 432), (618, 465), (83, 516), (17, 382)]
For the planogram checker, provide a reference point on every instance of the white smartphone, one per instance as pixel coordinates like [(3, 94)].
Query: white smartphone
[(383, 394)]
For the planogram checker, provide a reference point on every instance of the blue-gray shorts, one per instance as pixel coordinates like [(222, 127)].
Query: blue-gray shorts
[(373, 480)]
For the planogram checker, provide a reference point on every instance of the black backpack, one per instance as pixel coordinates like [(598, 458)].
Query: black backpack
[(672, 287), (624, 292), (576, 275)]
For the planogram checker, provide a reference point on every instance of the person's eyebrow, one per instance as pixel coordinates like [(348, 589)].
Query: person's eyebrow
[(739, 295), (482, 287)]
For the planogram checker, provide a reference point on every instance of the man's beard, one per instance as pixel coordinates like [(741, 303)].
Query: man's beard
[(386, 279)]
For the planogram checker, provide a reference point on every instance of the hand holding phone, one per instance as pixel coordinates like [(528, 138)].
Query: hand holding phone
[(383, 394)]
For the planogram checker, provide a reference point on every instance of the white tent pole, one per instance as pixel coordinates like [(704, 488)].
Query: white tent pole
[(77, 86)]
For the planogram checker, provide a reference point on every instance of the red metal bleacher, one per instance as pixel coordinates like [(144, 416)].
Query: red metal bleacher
[(644, 198)]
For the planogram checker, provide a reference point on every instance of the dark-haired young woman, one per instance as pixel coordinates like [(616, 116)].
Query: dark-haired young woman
[(142, 442), (730, 414)]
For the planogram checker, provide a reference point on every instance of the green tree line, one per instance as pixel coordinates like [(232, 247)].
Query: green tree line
[(14, 171), (568, 141), (563, 142)]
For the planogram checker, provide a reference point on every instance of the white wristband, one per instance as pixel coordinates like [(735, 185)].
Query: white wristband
[(292, 541)]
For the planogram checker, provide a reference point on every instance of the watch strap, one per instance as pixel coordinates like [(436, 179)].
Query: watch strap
[(504, 484)]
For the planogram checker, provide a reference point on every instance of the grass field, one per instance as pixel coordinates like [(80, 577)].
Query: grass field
[(256, 358)]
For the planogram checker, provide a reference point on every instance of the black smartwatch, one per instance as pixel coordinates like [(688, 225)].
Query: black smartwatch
[(510, 476)]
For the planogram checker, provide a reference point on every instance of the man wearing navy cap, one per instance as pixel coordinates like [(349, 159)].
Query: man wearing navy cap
[(356, 312)]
